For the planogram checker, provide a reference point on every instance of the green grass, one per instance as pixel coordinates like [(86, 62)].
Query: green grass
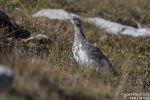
[(49, 71)]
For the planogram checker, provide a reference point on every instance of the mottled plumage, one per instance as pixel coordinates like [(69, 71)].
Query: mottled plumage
[(85, 53)]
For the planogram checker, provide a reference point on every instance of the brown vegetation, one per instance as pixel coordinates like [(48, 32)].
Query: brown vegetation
[(49, 71)]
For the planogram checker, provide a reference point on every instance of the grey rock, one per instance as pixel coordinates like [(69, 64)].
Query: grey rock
[(85, 53), (6, 76), (129, 22), (39, 38)]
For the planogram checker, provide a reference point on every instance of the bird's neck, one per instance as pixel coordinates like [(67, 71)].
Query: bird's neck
[(79, 33)]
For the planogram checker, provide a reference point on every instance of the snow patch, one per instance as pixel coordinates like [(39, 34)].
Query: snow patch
[(54, 14), (108, 26), (116, 28)]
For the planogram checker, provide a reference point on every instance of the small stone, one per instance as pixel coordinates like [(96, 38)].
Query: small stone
[(6, 77)]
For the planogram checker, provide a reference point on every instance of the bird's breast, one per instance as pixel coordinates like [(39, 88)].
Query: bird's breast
[(82, 57), (79, 54)]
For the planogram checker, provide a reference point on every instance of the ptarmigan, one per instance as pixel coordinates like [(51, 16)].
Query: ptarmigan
[(85, 53)]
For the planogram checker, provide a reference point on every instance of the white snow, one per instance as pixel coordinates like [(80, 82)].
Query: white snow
[(116, 28), (54, 14), (108, 26)]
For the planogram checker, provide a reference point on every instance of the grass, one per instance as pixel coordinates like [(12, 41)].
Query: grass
[(49, 71)]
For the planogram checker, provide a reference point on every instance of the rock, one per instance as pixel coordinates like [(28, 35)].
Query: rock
[(4, 19), (6, 77), (12, 31), (129, 22), (20, 33), (39, 38), (5, 24)]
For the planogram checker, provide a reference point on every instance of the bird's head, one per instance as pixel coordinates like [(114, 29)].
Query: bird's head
[(75, 21)]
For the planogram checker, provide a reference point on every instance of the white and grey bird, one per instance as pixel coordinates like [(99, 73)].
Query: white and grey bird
[(85, 53)]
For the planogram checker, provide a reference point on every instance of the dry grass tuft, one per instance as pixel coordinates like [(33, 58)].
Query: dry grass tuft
[(49, 71)]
